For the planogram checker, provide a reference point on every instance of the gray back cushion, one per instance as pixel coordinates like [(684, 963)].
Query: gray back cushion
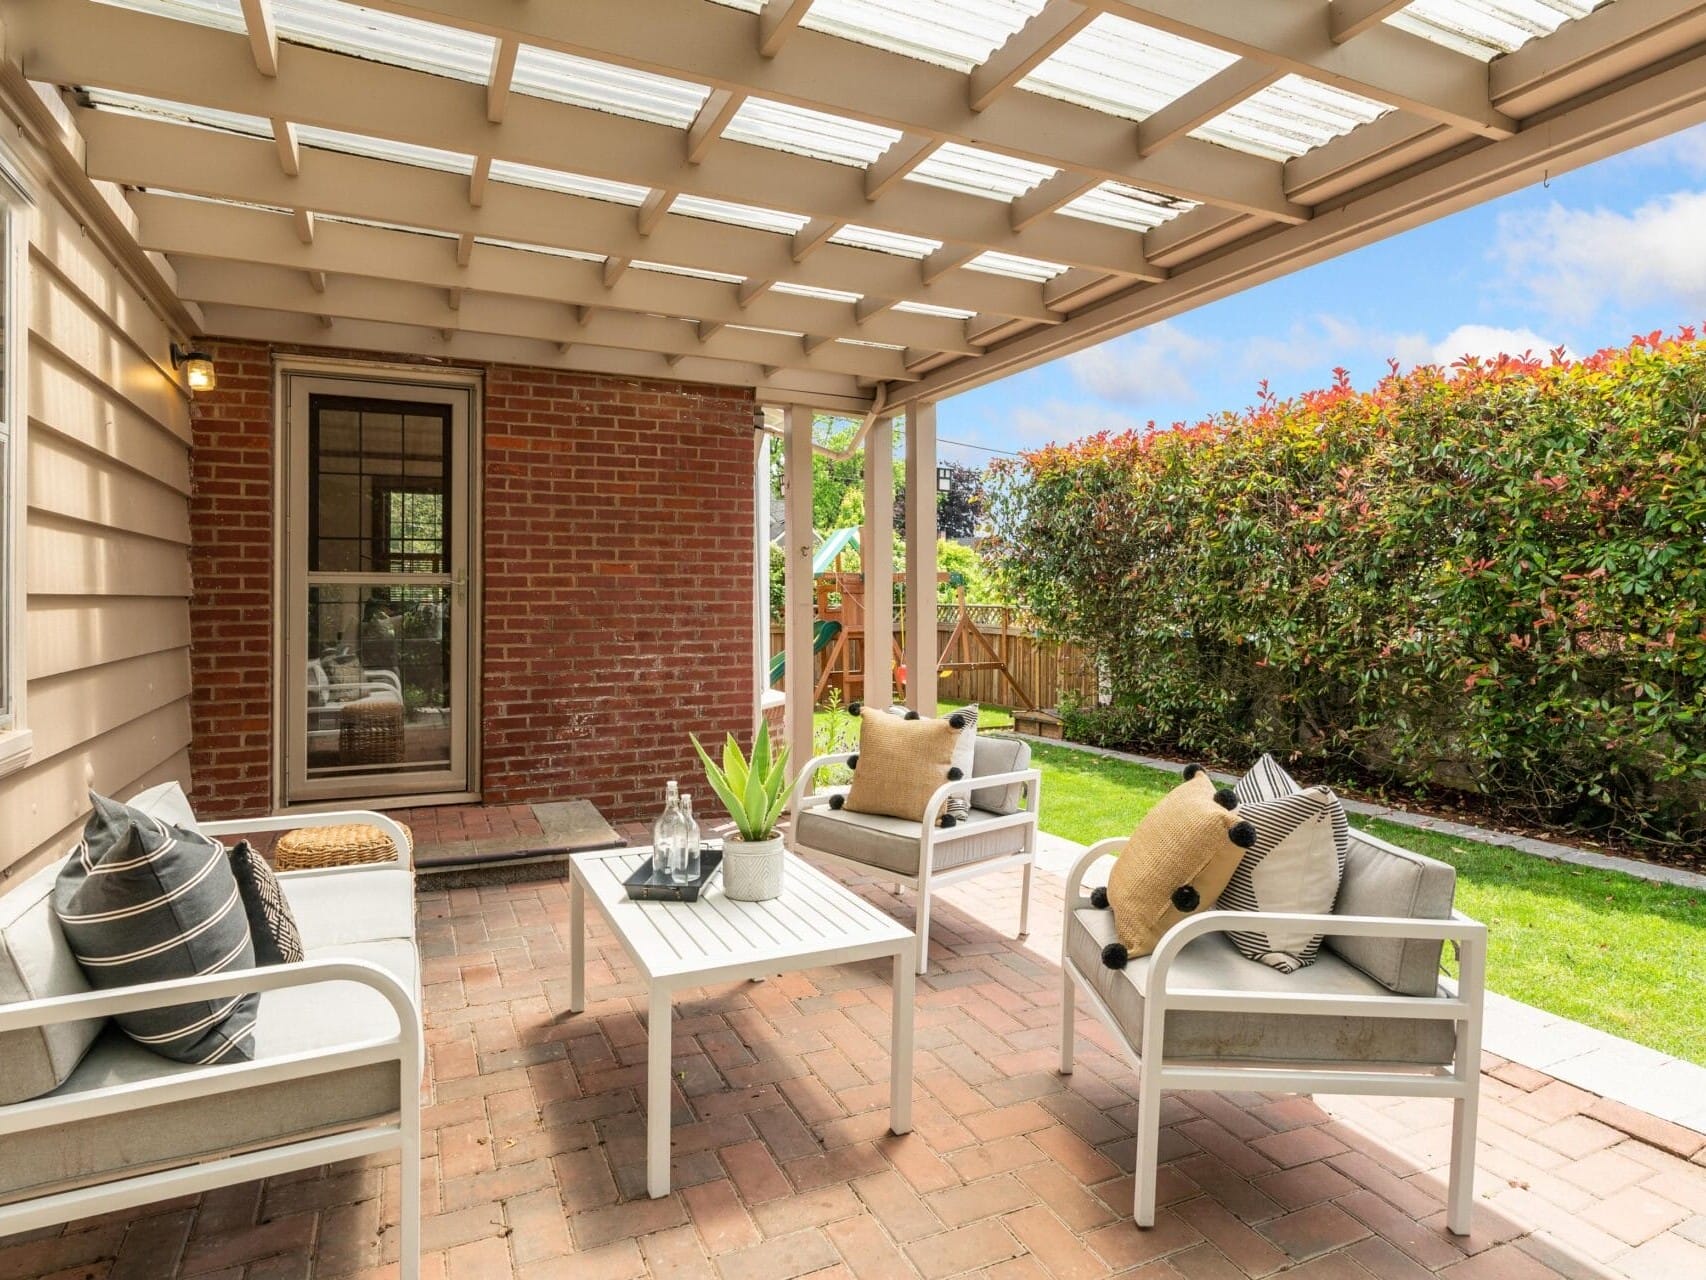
[(1384, 880), (1000, 755), (36, 963), (143, 901)]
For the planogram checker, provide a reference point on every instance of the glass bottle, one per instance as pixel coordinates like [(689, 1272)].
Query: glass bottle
[(684, 865), (668, 832)]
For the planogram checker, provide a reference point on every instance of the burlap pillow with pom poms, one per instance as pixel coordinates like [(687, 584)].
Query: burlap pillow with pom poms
[(1176, 863), (963, 721), (901, 763)]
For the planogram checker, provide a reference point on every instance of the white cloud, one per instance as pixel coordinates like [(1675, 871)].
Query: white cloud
[(1572, 261), (1056, 421), (1150, 366), (1487, 341), (1322, 342)]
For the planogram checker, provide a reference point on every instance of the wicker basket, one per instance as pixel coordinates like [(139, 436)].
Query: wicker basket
[(370, 732), (309, 847)]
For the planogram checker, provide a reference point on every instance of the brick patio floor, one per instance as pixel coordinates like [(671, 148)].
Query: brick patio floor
[(783, 1166)]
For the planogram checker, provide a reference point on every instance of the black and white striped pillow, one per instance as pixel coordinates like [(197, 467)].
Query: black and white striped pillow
[(143, 901), (1302, 841)]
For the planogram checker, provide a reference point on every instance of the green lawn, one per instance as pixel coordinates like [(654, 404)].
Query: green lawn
[(1606, 949)]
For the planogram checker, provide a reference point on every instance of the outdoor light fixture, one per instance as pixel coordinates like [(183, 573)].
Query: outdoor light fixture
[(199, 373), (944, 479)]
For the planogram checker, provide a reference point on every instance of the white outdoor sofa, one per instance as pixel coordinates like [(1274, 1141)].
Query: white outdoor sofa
[(1371, 1015), (336, 1073), (1000, 834)]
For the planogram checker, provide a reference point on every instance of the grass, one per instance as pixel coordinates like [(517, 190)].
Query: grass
[(1605, 949)]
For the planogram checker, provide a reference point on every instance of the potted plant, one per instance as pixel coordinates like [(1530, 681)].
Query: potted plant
[(753, 792)]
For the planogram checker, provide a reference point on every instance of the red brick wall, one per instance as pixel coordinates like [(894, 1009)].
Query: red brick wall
[(617, 525), (231, 568)]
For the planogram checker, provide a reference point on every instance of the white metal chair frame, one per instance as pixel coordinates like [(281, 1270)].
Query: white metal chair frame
[(1460, 1081), (405, 1049), (933, 837)]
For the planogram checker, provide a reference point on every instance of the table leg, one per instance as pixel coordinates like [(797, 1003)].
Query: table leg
[(577, 945), (900, 1041), (657, 1093)]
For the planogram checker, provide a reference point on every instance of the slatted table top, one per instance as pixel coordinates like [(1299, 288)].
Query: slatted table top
[(815, 920)]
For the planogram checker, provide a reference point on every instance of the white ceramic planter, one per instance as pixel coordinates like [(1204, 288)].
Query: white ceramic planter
[(752, 870)]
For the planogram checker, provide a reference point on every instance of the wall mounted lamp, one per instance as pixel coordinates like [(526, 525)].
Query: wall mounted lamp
[(199, 373)]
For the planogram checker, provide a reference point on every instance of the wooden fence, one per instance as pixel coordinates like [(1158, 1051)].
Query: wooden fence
[(1044, 668)]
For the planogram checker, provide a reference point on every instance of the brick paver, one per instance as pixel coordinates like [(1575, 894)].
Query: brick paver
[(783, 1166)]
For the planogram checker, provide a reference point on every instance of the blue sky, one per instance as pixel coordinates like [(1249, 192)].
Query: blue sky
[(1596, 255)]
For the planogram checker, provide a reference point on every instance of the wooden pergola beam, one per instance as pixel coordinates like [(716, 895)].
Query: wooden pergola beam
[(1219, 93), (1347, 19), (1026, 50), (263, 35)]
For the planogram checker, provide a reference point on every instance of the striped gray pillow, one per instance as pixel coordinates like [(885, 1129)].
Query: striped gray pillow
[(1302, 840), (143, 901)]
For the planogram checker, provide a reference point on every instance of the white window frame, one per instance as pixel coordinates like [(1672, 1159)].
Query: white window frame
[(16, 208)]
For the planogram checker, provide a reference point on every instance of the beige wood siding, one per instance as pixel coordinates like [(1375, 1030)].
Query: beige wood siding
[(105, 553)]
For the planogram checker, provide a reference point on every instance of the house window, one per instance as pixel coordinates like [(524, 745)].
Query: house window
[(14, 238)]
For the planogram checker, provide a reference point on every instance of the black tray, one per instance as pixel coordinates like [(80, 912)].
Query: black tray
[(646, 885)]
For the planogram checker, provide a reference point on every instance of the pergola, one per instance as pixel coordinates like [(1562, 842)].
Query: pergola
[(859, 206)]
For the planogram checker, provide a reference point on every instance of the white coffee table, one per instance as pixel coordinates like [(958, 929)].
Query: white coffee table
[(816, 921)]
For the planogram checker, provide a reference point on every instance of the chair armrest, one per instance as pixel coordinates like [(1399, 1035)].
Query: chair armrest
[(1105, 848), (1469, 935), (384, 679), (801, 795), (51, 1010), (1032, 778), (296, 821)]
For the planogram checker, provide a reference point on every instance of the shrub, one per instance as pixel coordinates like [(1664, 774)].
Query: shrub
[(1490, 577)]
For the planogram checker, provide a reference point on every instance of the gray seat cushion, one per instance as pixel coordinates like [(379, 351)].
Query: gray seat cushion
[(1383, 880), (36, 963), (294, 1020), (1000, 755), (1211, 962), (891, 844)]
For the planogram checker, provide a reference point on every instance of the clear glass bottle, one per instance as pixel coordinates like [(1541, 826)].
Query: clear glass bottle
[(669, 832), (684, 864)]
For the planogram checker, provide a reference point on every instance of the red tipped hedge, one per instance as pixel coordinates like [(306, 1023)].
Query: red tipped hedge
[(1490, 577)]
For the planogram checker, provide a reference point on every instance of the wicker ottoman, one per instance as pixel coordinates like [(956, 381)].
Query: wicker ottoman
[(339, 846), (370, 731)]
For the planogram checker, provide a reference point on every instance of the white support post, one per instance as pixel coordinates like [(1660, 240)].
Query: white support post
[(876, 554), (760, 568), (921, 654), (797, 612)]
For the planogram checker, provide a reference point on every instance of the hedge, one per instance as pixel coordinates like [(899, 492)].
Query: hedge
[(1489, 577)]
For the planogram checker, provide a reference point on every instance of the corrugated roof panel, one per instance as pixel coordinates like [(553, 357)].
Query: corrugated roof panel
[(385, 226), (1290, 117), (895, 242), (812, 291), (574, 184), (225, 15), (739, 215), (931, 309), (1118, 205), (603, 86), (134, 104), (358, 144), (669, 269), (950, 33), (1486, 28), (1011, 264), (1125, 69), (809, 133), (980, 173), (552, 250)]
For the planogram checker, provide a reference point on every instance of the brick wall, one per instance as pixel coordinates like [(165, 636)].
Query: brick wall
[(617, 523), (231, 568)]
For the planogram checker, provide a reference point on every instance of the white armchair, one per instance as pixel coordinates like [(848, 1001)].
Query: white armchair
[(999, 835), (1371, 1015)]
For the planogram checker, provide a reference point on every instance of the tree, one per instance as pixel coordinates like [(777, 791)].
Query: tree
[(957, 510)]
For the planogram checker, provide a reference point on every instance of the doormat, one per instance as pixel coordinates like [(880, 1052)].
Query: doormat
[(503, 847)]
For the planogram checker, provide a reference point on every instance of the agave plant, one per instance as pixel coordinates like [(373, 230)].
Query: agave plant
[(753, 791)]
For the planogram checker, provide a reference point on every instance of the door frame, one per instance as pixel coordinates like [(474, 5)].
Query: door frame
[(383, 378)]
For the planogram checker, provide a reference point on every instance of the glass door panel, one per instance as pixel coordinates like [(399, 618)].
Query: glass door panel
[(381, 627)]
